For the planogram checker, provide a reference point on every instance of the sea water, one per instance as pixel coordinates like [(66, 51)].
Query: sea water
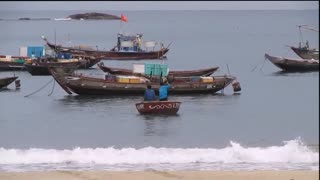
[(273, 123)]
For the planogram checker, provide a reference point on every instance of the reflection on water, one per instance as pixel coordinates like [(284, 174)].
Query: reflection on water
[(96, 99), (120, 106), (156, 116), (124, 101), (159, 125), (201, 100), (136, 98), (9, 89), (286, 73)]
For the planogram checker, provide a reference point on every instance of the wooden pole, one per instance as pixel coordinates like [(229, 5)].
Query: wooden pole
[(55, 43)]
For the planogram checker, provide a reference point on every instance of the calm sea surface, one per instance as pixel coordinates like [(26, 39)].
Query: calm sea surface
[(272, 124)]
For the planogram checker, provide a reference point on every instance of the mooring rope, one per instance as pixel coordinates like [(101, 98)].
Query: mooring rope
[(222, 90), (39, 89), (263, 64), (54, 82), (287, 52), (255, 67)]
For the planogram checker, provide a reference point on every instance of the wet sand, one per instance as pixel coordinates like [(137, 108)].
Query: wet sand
[(161, 175)]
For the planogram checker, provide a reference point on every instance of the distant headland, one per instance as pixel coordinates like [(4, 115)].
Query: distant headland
[(84, 16), (26, 18), (93, 16)]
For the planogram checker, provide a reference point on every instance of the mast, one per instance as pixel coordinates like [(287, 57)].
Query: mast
[(55, 44), (300, 32), (309, 28), (301, 37)]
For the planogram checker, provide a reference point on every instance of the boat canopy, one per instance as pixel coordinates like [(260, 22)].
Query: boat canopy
[(150, 44), (124, 37), (126, 44)]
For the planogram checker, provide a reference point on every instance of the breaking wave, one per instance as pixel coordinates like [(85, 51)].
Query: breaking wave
[(292, 155)]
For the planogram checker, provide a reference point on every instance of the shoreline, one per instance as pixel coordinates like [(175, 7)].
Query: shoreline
[(164, 175)]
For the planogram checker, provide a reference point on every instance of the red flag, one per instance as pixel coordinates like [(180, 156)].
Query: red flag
[(123, 18)]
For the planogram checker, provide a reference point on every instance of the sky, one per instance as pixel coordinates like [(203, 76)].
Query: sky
[(158, 5)]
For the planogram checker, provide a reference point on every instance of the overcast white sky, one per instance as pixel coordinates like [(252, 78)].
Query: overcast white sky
[(158, 5)]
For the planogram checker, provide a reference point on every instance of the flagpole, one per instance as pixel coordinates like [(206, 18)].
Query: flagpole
[(121, 25), (122, 18)]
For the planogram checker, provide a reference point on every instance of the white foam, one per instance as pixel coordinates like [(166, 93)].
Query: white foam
[(62, 19), (291, 153)]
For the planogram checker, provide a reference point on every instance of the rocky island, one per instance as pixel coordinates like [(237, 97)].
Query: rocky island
[(26, 18), (93, 16)]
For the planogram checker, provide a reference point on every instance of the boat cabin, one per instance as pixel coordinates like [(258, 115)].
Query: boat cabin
[(128, 43)]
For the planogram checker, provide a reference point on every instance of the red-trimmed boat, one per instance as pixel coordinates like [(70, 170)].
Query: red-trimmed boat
[(158, 107)]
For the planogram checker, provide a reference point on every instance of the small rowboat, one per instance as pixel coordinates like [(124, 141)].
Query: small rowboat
[(158, 107), (4, 82)]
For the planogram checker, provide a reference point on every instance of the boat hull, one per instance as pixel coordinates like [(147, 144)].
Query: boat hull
[(158, 107), (42, 69), (4, 82), (82, 85), (293, 65), (12, 64), (111, 55), (9, 66), (198, 72)]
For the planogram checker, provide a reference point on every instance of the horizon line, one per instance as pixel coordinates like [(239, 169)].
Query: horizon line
[(156, 9)]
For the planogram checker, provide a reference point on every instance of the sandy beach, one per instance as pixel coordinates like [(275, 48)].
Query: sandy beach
[(161, 175)]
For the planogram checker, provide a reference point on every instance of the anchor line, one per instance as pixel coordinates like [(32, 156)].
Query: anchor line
[(39, 89)]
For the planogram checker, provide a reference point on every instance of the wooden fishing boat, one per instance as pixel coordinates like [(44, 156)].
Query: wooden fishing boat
[(128, 51), (306, 53), (158, 107), (17, 62), (4, 82), (8, 63), (9, 66), (39, 67), (294, 65), (42, 69), (85, 85), (122, 71)]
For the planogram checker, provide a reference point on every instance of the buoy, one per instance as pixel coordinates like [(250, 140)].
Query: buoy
[(236, 86), (170, 78), (17, 83)]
